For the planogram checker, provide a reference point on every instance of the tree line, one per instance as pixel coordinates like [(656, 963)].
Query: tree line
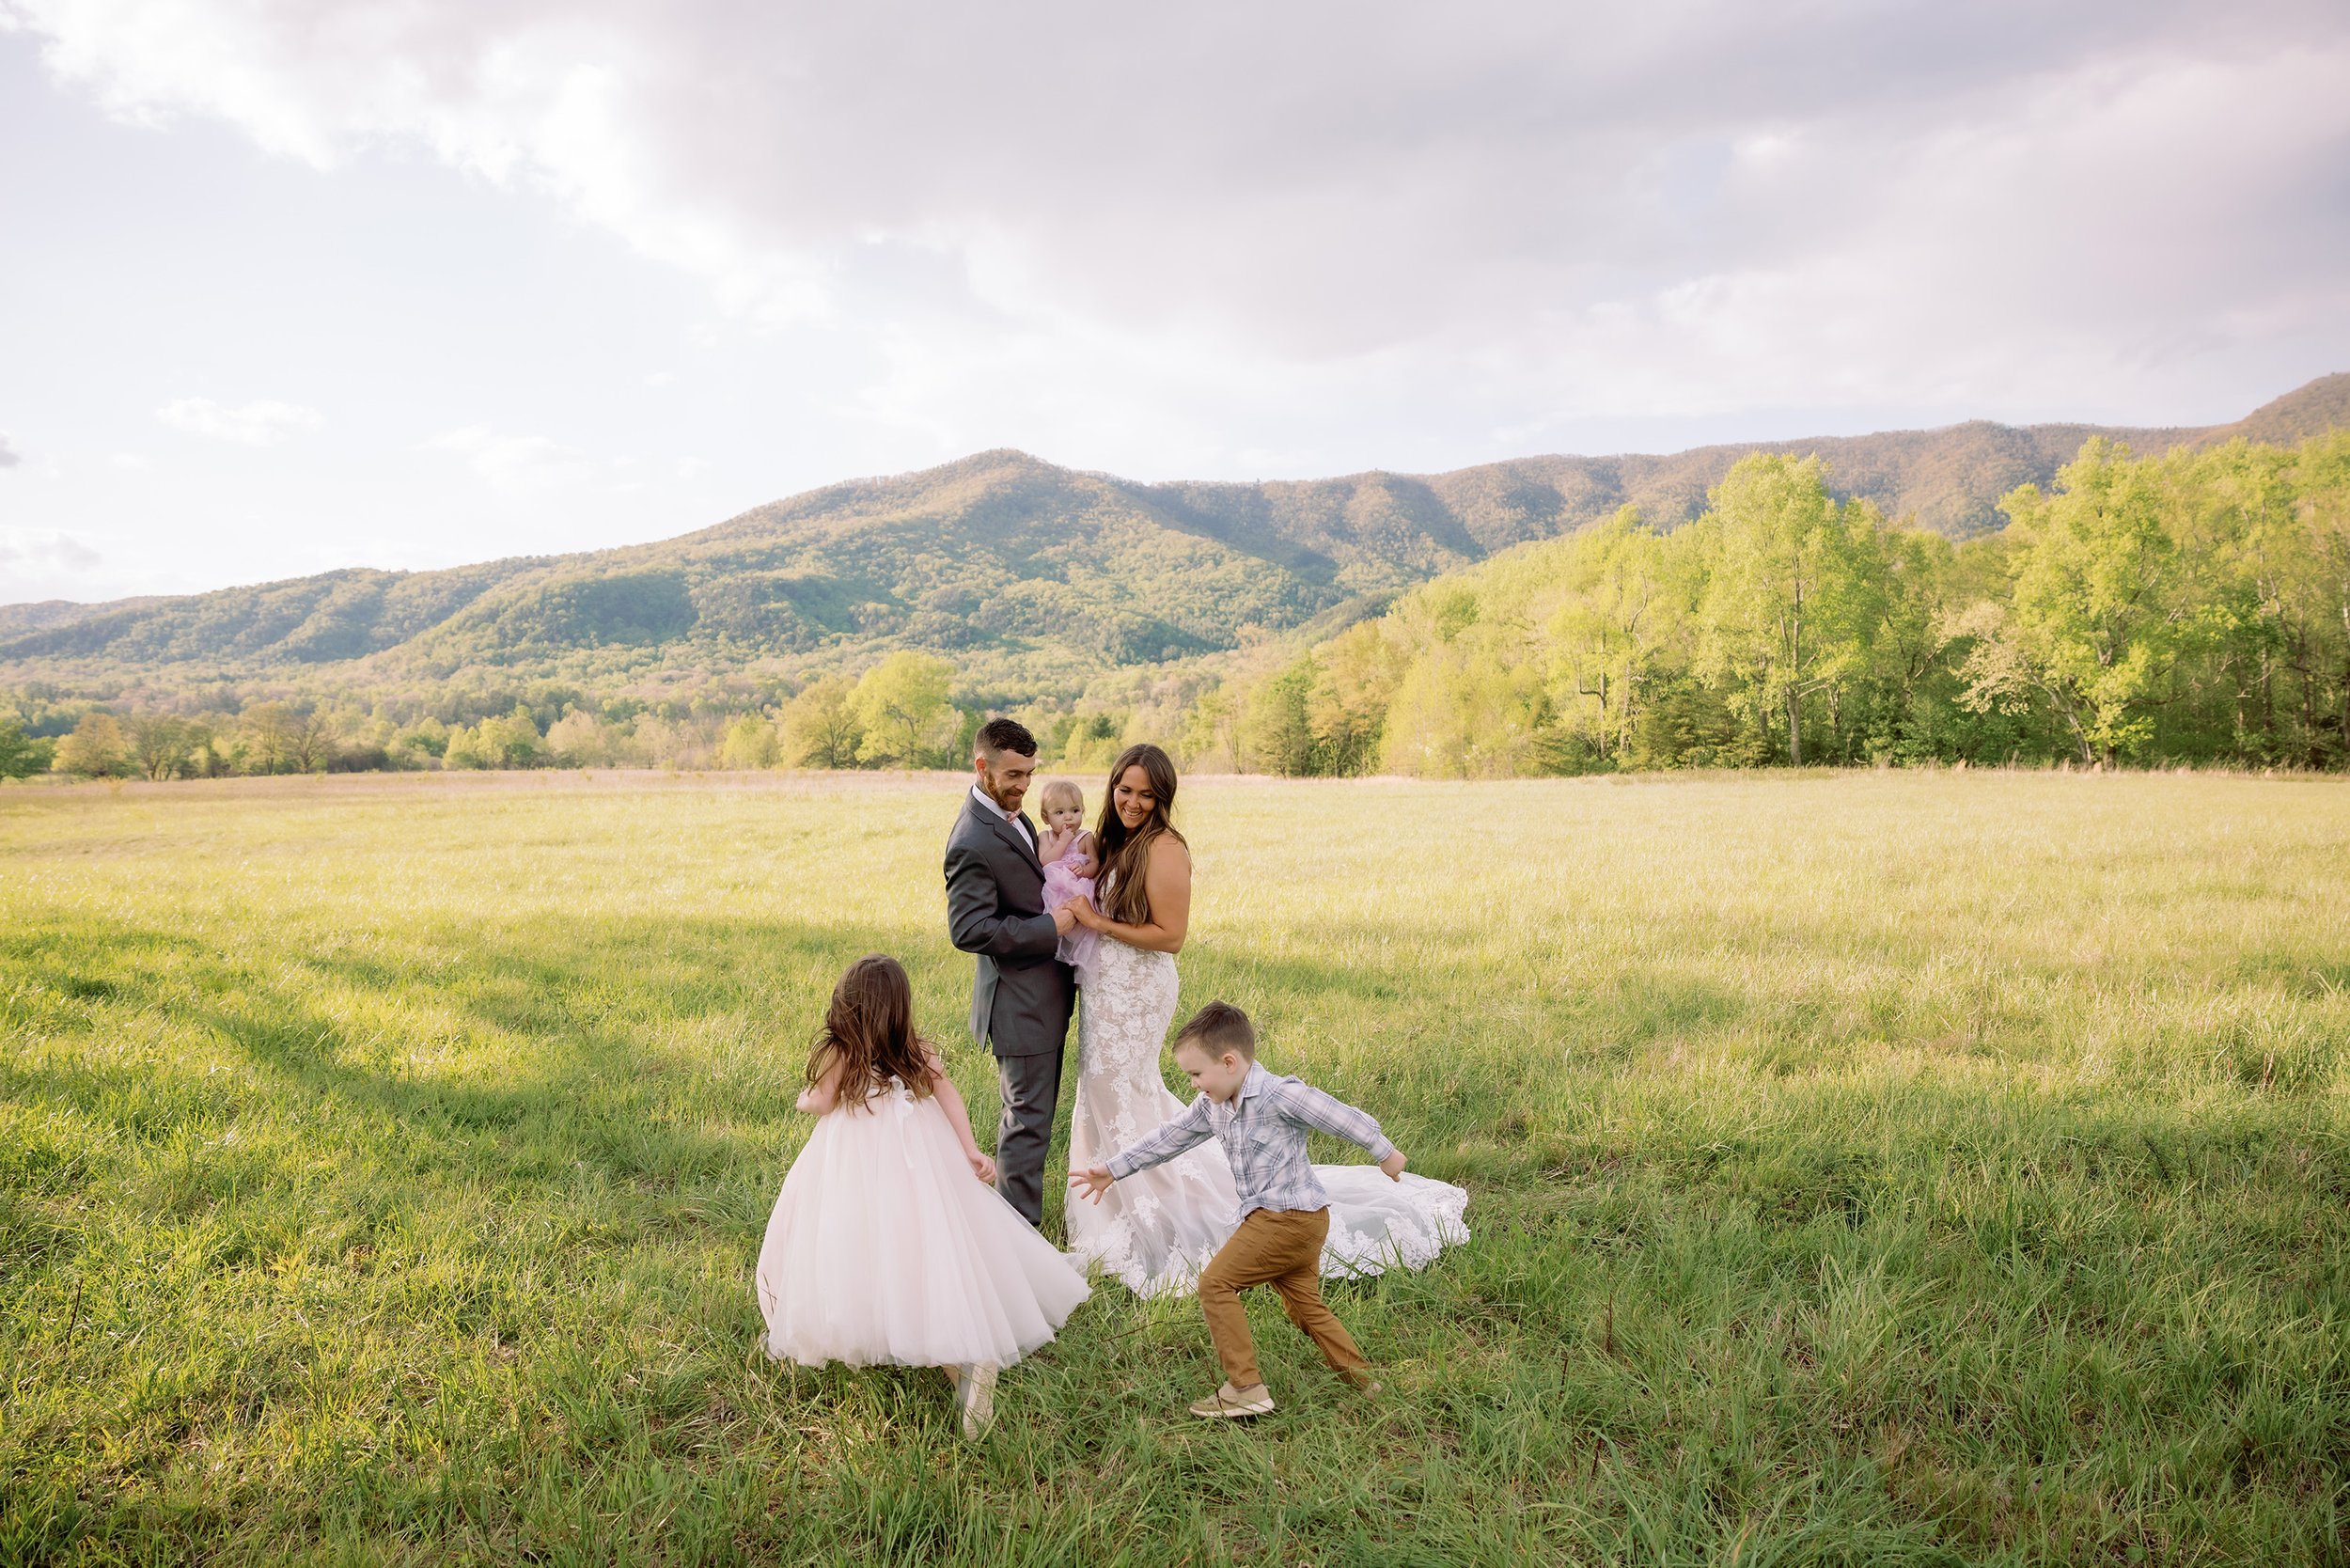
[(2188, 607), (898, 714)]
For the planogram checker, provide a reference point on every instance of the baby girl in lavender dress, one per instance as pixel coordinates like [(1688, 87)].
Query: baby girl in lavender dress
[(1067, 852)]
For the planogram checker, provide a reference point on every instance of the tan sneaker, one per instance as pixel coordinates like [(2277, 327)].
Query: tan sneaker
[(1229, 1400), (975, 1396)]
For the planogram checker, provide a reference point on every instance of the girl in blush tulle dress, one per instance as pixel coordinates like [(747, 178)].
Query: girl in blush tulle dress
[(887, 1245), (1071, 864)]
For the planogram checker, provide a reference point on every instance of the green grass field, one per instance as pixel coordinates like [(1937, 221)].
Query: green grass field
[(1870, 1168)]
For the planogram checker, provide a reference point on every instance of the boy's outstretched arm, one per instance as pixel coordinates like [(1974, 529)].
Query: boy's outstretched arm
[(1327, 1113), (1187, 1131)]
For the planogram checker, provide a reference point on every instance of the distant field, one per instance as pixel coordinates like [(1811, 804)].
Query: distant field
[(1868, 1167)]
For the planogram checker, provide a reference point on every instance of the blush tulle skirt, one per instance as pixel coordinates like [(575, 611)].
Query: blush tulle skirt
[(883, 1247)]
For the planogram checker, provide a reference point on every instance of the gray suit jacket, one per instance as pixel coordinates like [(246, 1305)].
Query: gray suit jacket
[(1020, 998)]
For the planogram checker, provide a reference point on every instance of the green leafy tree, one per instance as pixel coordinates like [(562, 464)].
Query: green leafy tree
[(1790, 597), (1090, 740), (426, 737), (2094, 623), (1356, 675), (162, 745), (465, 749), (2267, 599), (1210, 737), (2322, 482), (97, 748), (512, 742), (311, 740), (751, 741), (1462, 712), (1615, 613), (578, 739), (268, 731), (901, 705), (821, 728), (223, 751), (1276, 736), (20, 755), (1908, 710)]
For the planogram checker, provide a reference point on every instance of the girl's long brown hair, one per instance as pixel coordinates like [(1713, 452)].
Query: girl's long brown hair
[(868, 1029), (1125, 857)]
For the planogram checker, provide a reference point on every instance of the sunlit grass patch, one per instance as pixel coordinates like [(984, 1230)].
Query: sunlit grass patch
[(1870, 1167)]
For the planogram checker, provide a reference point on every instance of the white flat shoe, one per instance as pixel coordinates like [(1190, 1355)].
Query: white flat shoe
[(975, 1396)]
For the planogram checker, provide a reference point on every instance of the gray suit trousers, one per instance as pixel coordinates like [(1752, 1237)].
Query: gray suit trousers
[(1031, 1088)]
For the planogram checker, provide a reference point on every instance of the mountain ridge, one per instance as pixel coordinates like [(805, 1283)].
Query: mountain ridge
[(1025, 572)]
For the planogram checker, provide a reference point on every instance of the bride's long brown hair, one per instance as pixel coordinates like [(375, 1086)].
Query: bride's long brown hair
[(868, 1029), (1123, 857)]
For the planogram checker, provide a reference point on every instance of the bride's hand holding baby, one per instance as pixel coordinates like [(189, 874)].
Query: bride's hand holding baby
[(1094, 1179), (1083, 912)]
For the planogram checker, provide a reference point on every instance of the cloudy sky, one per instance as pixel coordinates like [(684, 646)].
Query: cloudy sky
[(288, 285)]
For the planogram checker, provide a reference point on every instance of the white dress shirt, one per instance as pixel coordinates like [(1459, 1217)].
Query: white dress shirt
[(1013, 817)]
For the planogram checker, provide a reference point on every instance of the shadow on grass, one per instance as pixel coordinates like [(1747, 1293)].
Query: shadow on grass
[(571, 1040)]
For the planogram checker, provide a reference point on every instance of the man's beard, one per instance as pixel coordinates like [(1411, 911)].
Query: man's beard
[(994, 790)]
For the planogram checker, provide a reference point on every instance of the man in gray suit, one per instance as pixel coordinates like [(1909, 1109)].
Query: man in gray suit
[(1021, 999)]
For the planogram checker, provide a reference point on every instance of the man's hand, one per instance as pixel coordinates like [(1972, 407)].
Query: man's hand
[(981, 1166), (1393, 1166), (1064, 918), (1095, 1180)]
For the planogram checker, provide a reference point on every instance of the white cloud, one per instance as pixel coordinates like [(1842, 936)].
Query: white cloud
[(659, 379), (515, 463), (130, 463), (1208, 236), (255, 424), (45, 552), (9, 457)]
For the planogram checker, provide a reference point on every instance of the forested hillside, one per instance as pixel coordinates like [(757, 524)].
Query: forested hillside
[(1031, 577), (2187, 603), (2188, 607)]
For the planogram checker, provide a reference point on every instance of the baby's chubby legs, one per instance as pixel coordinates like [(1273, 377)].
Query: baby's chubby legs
[(1281, 1247)]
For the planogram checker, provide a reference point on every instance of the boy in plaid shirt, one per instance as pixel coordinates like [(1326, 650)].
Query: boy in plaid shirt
[(1284, 1214)]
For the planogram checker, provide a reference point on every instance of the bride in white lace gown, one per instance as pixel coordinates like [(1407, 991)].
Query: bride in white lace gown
[(1158, 1228)]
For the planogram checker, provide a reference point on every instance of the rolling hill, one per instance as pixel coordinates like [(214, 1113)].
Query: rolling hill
[(1027, 574)]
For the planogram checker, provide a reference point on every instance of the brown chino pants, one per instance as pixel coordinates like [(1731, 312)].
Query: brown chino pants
[(1281, 1247)]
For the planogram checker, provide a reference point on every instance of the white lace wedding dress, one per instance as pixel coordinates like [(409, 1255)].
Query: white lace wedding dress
[(1157, 1229)]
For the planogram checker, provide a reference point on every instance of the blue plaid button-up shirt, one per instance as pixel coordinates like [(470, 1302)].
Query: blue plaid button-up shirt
[(1263, 1129)]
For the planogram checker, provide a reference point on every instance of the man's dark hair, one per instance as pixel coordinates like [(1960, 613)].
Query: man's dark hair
[(1220, 1028), (999, 735)]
